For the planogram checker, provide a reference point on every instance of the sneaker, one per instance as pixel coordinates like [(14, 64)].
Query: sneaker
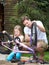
[(44, 62), (14, 60)]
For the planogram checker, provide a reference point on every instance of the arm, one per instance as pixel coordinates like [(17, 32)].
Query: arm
[(41, 28), (22, 38), (40, 25), (27, 34), (27, 38)]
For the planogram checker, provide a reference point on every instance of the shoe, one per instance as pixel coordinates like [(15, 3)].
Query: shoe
[(44, 62), (14, 60)]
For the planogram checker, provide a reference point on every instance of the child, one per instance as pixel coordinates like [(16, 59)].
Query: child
[(17, 35)]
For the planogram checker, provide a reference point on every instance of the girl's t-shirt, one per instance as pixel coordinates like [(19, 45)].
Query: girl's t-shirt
[(15, 48)]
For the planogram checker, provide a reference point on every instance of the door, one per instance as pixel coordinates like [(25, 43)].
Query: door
[(1, 17)]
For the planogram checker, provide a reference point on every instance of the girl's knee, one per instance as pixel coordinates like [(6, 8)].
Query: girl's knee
[(18, 56), (10, 56)]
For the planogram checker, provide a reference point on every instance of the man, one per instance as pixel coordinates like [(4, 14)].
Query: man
[(42, 42)]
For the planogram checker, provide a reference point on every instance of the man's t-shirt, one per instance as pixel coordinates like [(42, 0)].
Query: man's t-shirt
[(40, 35)]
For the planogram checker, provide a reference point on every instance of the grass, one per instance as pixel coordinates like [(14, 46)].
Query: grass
[(46, 57)]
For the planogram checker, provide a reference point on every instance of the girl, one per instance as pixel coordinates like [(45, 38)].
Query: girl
[(17, 35)]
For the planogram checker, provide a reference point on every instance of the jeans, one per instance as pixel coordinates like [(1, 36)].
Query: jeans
[(11, 55)]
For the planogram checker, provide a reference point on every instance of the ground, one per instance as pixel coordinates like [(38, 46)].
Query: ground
[(4, 62), (9, 63)]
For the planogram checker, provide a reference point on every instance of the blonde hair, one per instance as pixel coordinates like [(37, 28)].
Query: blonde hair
[(19, 28)]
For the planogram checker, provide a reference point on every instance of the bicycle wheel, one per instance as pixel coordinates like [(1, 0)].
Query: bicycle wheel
[(33, 34)]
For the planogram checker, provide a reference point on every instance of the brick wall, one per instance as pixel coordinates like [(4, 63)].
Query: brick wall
[(8, 12)]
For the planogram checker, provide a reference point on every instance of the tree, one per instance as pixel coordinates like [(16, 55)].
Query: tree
[(35, 9)]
